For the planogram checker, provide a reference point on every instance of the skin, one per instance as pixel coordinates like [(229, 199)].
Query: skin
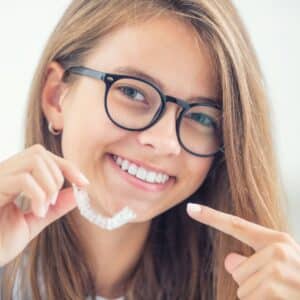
[(272, 272), (166, 49)]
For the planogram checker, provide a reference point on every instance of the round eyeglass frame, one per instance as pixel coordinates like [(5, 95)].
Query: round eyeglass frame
[(110, 78)]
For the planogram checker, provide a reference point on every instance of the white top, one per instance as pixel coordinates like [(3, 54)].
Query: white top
[(102, 298), (17, 296)]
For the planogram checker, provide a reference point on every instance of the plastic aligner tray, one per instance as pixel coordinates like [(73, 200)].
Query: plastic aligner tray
[(108, 223)]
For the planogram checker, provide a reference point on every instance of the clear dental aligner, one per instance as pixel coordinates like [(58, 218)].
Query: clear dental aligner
[(118, 220)]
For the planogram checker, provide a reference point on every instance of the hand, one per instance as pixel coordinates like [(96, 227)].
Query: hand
[(272, 272), (40, 175)]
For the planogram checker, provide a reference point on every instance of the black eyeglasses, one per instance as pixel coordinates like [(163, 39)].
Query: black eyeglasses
[(135, 104)]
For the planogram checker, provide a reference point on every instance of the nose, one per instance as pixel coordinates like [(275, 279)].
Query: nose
[(162, 135)]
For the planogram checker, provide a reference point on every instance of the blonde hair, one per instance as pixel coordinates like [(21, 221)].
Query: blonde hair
[(182, 259)]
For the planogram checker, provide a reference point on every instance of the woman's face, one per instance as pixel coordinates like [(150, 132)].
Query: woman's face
[(167, 50)]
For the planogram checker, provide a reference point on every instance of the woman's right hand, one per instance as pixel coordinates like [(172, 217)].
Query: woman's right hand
[(39, 174)]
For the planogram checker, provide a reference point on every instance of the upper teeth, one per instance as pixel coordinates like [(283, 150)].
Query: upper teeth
[(140, 172)]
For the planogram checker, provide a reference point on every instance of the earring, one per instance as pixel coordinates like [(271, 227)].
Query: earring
[(52, 130)]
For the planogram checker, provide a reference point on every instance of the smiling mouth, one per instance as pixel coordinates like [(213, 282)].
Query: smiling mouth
[(140, 182), (140, 171)]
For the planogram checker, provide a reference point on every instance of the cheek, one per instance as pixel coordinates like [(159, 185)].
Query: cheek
[(189, 182), (200, 171), (87, 129), (194, 175)]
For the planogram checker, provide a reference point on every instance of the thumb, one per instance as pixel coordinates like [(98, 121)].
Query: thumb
[(233, 260), (65, 203)]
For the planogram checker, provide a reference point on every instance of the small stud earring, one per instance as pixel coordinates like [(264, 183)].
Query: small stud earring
[(52, 130)]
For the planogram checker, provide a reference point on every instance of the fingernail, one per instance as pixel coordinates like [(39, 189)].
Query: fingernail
[(53, 198), (193, 207), (83, 179), (43, 210)]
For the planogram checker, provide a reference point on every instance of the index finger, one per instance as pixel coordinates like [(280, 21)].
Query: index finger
[(254, 235), (69, 170)]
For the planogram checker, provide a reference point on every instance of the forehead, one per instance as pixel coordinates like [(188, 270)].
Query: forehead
[(167, 49)]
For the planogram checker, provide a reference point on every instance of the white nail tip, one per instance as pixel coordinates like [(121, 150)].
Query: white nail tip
[(53, 198), (193, 207), (116, 221), (43, 211)]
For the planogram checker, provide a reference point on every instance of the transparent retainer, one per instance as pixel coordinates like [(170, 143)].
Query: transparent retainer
[(119, 219)]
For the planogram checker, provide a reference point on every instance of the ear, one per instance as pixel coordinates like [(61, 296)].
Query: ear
[(53, 92)]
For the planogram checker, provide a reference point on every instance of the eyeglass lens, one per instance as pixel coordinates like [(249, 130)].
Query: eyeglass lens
[(133, 104)]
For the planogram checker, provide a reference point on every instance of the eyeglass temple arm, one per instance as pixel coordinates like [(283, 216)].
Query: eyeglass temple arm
[(85, 71)]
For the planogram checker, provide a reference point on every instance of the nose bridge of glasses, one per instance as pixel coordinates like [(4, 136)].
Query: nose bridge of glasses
[(177, 101), (162, 110)]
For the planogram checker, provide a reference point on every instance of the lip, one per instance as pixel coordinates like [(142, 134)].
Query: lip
[(150, 187), (142, 164)]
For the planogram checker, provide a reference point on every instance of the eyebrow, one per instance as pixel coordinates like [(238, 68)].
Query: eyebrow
[(127, 70)]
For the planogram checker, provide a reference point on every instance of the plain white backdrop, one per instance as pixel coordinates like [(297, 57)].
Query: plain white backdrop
[(274, 26)]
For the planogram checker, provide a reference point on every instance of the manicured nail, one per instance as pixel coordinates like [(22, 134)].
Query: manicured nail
[(53, 198), (83, 179), (43, 210), (193, 207)]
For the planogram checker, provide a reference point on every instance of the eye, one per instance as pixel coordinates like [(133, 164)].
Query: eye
[(132, 93), (203, 119)]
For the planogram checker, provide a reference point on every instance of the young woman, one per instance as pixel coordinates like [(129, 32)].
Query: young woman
[(175, 88)]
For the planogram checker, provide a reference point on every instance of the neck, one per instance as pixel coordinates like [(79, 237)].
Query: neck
[(112, 255)]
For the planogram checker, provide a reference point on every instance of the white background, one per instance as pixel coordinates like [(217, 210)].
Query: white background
[(275, 30)]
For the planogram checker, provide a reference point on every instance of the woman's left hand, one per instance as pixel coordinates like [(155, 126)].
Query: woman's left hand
[(272, 272)]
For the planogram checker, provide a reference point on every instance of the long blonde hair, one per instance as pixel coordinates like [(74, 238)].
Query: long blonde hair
[(182, 259)]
